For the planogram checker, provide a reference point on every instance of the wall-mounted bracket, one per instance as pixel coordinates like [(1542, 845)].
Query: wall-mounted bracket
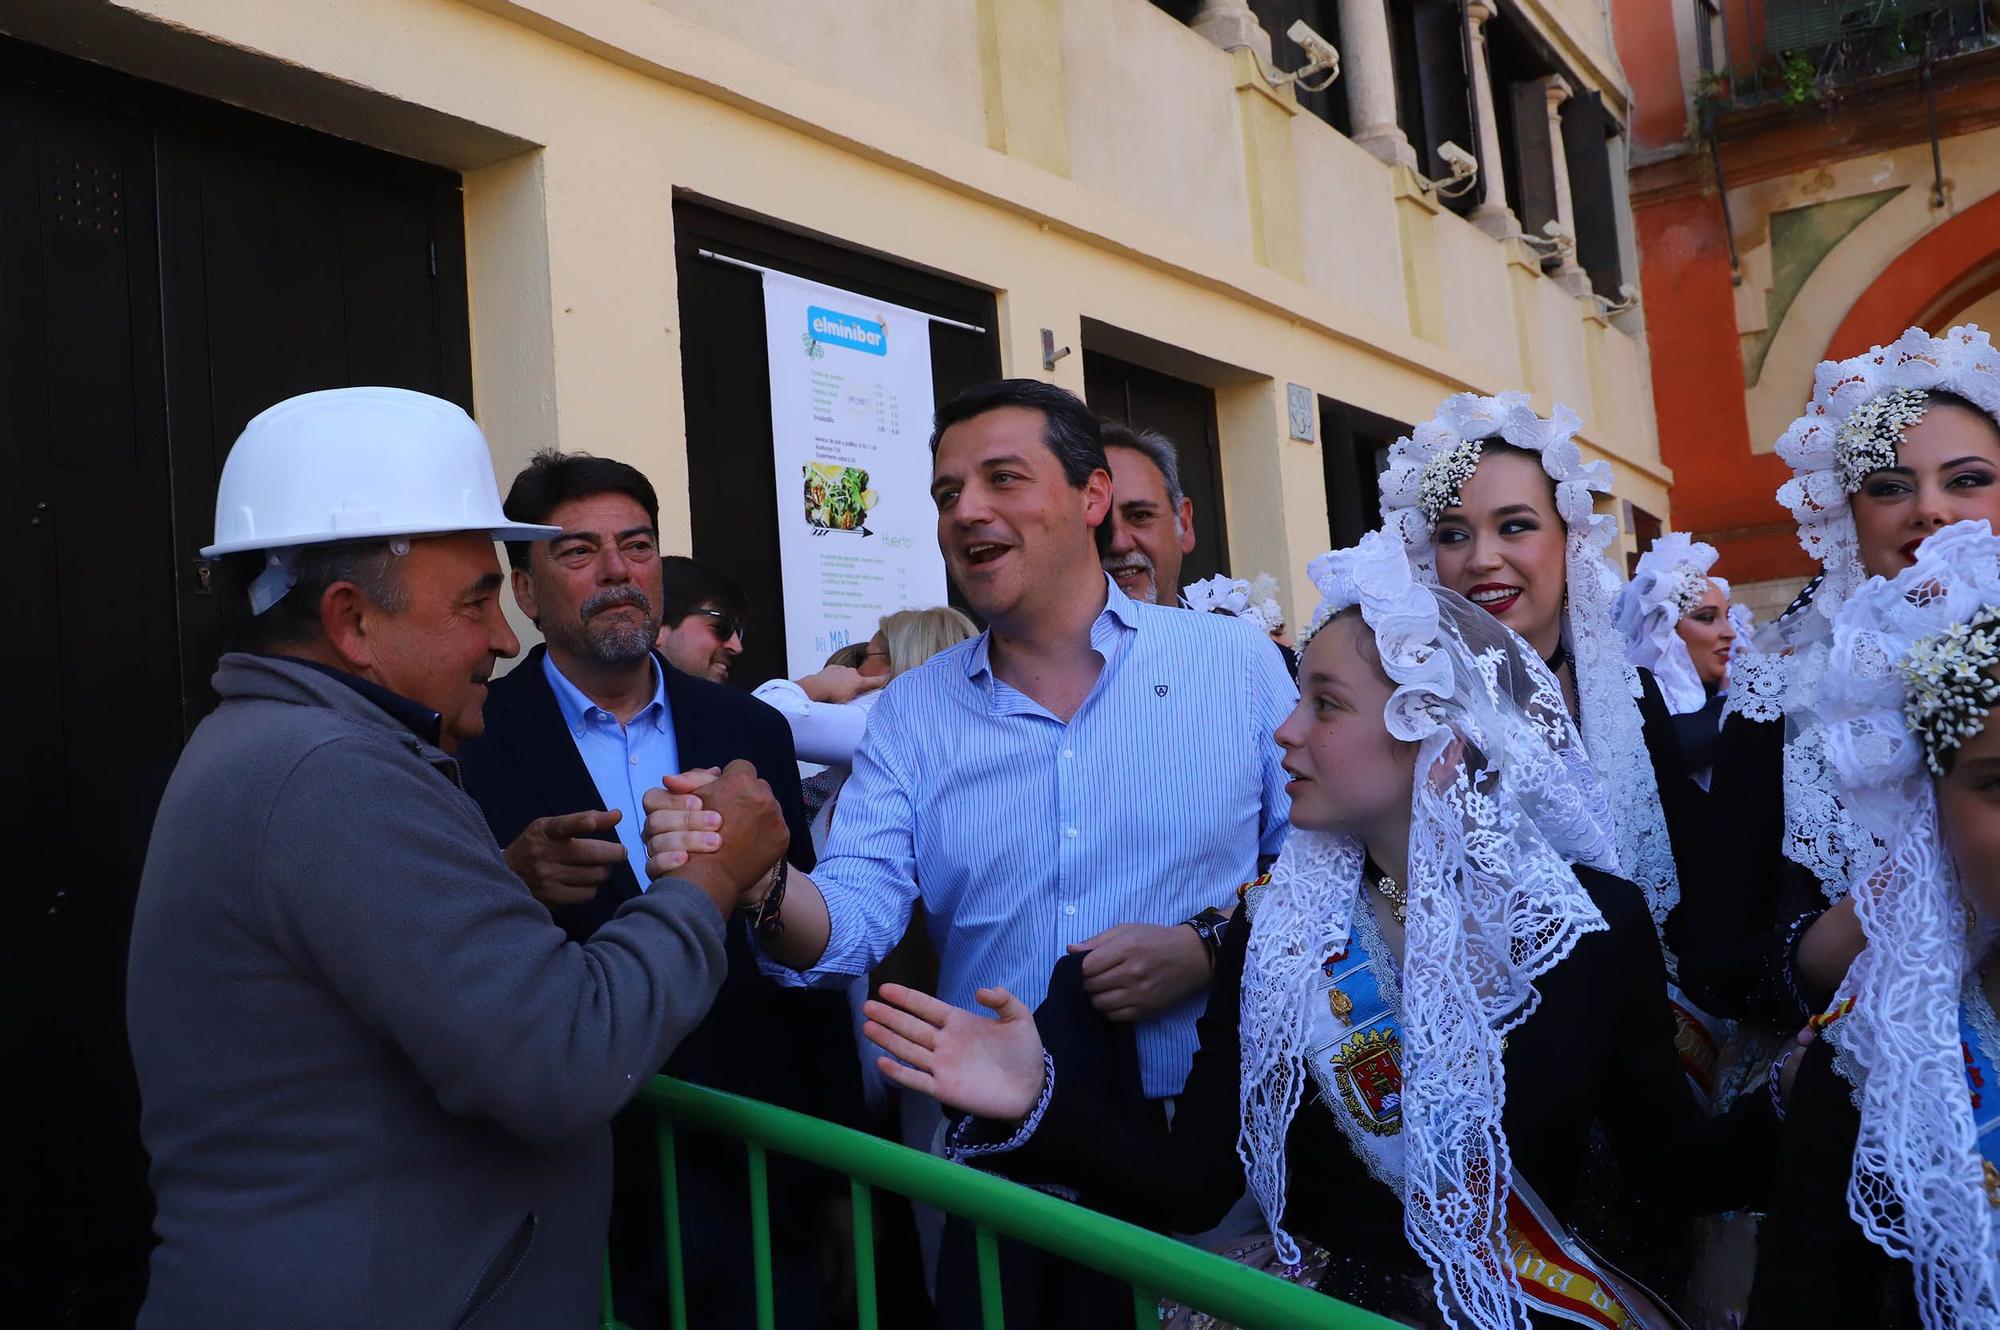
[(1050, 352)]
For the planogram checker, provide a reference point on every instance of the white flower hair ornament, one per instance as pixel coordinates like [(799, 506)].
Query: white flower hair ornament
[(1859, 410), (1502, 804), (1909, 680), (1256, 602), (1669, 583), (1403, 614), (1427, 472), (1428, 469), (1264, 602)]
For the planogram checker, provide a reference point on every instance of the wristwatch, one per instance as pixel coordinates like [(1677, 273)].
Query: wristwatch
[(1209, 926), (765, 920)]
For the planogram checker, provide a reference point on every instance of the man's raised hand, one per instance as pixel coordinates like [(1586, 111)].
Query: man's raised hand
[(988, 1068), (1136, 971), (677, 826), (752, 834), (840, 683), (560, 859)]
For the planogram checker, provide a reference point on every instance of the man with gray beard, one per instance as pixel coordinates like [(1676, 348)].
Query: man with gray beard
[(582, 728), (575, 736), (1151, 520)]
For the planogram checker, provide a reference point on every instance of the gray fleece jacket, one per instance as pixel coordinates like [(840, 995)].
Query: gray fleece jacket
[(376, 1077)]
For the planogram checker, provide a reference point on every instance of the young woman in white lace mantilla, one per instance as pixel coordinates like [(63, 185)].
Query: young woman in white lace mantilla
[(1441, 970), (1894, 445), (1679, 625), (1495, 503), (1887, 1210)]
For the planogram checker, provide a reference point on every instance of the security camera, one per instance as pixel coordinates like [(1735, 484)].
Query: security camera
[(1319, 48), (1323, 65), (1555, 239), (1628, 298), (1464, 170)]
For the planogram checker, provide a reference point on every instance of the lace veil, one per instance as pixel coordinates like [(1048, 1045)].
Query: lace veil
[(1743, 622), (1670, 579), (1784, 678), (1916, 1187), (1255, 601), (1502, 803), (1606, 684)]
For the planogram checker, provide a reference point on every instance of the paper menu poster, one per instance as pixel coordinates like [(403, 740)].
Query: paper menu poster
[(851, 412)]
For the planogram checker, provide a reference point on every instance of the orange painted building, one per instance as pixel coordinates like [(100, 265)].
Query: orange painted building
[(1804, 185)]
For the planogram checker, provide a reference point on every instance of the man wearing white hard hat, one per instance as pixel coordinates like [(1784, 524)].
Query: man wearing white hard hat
[(375, 1075)]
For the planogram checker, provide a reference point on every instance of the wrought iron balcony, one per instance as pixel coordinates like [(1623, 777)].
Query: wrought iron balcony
[(1810, 52)]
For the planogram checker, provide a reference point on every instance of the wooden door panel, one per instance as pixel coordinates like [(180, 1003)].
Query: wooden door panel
[(168, 267)]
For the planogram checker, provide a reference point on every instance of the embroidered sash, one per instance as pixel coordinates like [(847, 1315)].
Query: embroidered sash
[(1981, 1081), (1355, 1035), (1699, 1039)]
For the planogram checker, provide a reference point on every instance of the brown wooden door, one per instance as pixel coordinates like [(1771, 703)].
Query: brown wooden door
[(168, 267)]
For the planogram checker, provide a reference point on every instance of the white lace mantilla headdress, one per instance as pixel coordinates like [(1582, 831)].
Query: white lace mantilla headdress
[(1668, 584), (1425, 473), (1255, 601), (1859, 408), (1909, 680), (1502, 803), (1742, 622)]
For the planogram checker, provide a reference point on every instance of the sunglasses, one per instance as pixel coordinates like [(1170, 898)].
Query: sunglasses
[(727, 625)]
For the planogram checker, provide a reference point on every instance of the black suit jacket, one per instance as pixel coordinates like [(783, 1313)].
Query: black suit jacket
[(786, 1046), (526, 766)]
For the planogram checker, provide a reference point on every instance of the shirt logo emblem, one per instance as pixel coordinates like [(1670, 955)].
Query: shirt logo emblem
[(1159, 690)]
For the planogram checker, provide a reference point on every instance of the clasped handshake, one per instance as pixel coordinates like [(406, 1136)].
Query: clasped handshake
[(722, 830)]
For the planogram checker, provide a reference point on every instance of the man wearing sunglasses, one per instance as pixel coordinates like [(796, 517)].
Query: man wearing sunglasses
[(702, 615)]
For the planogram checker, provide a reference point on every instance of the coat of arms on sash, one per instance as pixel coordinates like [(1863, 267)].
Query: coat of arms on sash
[(1370, 1076)]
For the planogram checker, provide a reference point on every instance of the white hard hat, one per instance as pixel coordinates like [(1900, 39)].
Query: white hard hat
[(358, 464)]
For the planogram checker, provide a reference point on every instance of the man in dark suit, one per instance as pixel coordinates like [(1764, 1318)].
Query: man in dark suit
[(575, 735)]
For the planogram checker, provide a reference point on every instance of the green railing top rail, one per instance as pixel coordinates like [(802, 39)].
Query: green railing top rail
[(1159, 1265)]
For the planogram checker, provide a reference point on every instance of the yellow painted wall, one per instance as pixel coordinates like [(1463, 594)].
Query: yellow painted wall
[(1082, 158)]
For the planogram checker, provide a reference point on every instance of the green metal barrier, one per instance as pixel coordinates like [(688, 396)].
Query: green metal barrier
[(1153, 1265)]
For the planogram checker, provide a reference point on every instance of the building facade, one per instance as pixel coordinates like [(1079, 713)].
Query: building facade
[(1808, 180), (557, 212)]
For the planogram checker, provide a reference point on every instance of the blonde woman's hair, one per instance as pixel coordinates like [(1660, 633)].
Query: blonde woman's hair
[(850, 655), (914, 636)]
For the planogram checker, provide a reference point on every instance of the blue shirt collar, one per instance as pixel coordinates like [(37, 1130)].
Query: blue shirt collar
[(578, 710), (1119, 612)]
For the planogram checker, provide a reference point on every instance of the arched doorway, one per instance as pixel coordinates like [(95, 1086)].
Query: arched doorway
[(1930, 285)]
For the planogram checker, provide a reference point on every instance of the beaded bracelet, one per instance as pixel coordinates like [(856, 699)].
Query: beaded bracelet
[(1775, 1082)]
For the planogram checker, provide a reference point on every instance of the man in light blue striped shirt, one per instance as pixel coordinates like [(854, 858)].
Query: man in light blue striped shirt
[(1089, 772)]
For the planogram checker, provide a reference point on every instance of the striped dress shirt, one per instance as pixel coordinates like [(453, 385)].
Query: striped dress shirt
[(1022, 834)]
